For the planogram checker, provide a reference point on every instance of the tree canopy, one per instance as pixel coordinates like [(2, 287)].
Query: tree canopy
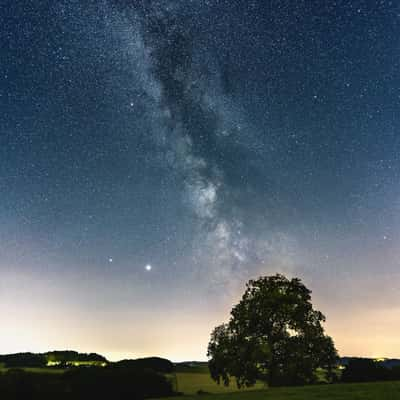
[(274, 334)]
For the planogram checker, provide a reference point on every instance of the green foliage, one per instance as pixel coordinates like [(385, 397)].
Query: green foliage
[(273, 334)]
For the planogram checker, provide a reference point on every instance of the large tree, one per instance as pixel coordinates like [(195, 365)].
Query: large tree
[(274, 334)]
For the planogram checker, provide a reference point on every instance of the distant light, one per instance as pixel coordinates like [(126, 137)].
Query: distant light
[(110, 260), (148, 267)]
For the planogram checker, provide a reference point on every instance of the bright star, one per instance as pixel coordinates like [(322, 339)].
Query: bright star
[(148, 267)]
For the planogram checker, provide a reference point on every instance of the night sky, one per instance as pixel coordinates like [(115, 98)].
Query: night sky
[(155, 155)]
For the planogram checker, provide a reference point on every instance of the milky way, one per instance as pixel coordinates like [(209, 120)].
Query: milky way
[(214, 141)]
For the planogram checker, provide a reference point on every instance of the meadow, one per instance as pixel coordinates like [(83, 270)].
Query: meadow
[(192, 380), (354, 391)]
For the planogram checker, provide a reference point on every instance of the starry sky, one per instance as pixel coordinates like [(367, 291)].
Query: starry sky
[(157, 154)]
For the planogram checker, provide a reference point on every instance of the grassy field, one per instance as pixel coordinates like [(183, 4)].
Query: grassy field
[(192, 379), (192, 382), (196, 378), (360, 391)]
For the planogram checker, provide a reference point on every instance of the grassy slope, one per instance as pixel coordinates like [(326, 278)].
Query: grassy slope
[(360, 391)]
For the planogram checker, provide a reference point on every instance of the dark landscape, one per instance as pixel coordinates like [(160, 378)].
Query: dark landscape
[(63, 374)]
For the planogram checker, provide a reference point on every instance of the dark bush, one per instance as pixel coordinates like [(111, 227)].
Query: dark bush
[(116, 383), (84, 383), (365, 370), (17, 384), (395, 373)]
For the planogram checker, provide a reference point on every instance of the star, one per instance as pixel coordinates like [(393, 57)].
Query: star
[(148, 267)]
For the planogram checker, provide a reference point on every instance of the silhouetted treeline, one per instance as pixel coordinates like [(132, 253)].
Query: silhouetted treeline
[(386, 362), (20, 360), (154, 363), (23, 360), (368, 370), (110, 382), (70, 356)]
